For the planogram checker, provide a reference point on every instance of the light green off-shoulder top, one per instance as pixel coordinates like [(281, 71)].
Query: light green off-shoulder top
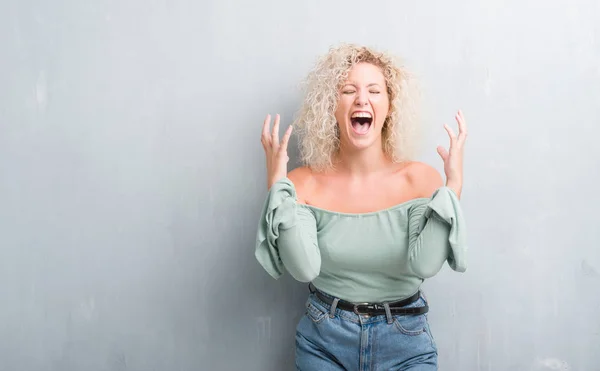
[(363, 257)]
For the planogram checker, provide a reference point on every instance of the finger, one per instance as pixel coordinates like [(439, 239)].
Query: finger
[(462, 127), (275, 132), (286, 139), (462, 123), (450, 134), (265, 139)]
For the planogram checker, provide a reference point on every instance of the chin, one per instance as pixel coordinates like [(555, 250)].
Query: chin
[(361, 142)]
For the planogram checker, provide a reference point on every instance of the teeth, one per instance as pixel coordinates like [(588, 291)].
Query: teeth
[(361, 114)]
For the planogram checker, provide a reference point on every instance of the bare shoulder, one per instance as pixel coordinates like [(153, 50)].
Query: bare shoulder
[(424, 178), (302, 178)]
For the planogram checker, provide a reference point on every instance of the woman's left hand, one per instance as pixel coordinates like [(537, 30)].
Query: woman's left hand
[(453, 158)]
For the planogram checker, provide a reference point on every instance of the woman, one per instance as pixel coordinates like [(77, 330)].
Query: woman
[(361, 222)]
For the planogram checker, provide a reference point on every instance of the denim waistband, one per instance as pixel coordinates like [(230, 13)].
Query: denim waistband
[(332, 309)]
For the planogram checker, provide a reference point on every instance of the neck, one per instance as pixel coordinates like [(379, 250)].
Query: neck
[(361, 163)]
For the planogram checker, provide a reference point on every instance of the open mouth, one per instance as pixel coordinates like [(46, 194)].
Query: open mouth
[(361, 122)]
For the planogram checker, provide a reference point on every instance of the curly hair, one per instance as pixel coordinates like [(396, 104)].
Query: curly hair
[(316, 124)]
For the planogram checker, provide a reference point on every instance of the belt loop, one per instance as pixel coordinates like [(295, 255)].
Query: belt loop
[(311, 288), (388, 313), (333, 307)]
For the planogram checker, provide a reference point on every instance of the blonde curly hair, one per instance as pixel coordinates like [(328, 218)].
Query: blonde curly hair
[(316, 124)]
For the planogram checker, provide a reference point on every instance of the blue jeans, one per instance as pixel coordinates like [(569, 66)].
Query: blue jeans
[(329, 339)]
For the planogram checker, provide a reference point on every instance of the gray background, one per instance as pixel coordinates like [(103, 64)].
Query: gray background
[(132, 176)]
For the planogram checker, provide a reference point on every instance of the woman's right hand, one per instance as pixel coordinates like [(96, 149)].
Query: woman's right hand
[(276, 151)]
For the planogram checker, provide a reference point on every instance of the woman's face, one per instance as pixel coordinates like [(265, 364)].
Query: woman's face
[(362, 107)]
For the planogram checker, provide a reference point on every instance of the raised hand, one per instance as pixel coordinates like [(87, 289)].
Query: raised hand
[(275, 151), (453, 158)]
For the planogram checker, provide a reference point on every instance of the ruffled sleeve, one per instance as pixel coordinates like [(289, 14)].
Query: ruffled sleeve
[(437, 233), (287, 235)]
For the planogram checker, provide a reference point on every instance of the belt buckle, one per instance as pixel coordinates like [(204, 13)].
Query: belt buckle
[(367, 306)]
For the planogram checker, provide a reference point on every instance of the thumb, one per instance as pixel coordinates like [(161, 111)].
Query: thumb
[(442, 152)]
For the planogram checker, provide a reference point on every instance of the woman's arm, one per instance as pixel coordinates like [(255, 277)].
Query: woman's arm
[(287, 235), (437, 229), (436, 234)]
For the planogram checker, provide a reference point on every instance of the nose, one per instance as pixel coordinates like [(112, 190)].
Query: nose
[(361, 99)]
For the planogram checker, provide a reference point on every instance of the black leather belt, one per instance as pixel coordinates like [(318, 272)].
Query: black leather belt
[(374, 309)]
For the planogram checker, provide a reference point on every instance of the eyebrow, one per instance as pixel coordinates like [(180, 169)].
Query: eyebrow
[(368, 86)]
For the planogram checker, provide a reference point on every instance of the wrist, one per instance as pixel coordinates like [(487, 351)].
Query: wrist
[(455, 187), (272, 180)]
